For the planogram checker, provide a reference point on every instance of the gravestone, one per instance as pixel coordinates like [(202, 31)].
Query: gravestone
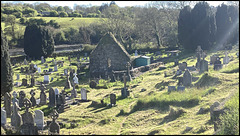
[(187, 78), (39, 70), (22, 70), (136, 52), (50, 70), (68, 84), (226, 58), (171, 88), (42, 59), (179, 72), (203, 66), (83, 94), (65, 72), (75, 79), (18, 76), (124, 90), (16, 118), (28, 127), (52, 98), (22, 95), (3, 117), (46, 65), (176, 63), (32, 99), (56, 91), (14, 94), (73, 92), (42, 87), (182, 66), (85, 54), (212, 107), (43, 98), (181, 88), (54, 126), (213, 58), (7, 104), (35, 66), (199, 55), (24, 82), (55, 68), (46, 79), (113, 99), (32, 81), (217, 64), (25, 62), (39, 119), (151, 59)]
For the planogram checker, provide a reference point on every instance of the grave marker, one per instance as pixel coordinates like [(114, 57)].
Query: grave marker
[(83, 94), (7, 104), (16, 118), (39, 119)]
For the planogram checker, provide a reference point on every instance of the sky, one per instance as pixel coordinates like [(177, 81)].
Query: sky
[(99, 3)]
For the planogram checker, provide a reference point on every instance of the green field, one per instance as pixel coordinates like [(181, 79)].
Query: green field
[(145, 112)]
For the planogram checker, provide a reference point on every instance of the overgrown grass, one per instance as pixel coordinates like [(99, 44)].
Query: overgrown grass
[(232, 67)]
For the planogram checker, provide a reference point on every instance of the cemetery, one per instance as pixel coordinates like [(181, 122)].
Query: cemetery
[(114, 91)]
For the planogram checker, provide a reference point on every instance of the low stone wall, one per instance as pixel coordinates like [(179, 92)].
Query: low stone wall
[(136, 71)]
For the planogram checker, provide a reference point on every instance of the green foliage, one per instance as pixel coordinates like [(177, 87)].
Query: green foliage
[(53, 13), (38, 41), (22, 20), (63, 14), (6, 70), (60, 38)]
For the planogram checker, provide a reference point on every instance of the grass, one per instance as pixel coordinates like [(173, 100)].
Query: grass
[(145, 112)]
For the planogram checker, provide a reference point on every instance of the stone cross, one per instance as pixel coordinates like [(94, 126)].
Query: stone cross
[(128, 71), (7, 104), (204, 55), (54, 126), (75, 79)]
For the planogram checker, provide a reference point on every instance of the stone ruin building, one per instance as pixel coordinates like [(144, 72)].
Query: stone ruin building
[(108, 56)]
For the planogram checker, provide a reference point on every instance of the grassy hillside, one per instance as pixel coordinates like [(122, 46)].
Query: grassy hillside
[(153, 111)]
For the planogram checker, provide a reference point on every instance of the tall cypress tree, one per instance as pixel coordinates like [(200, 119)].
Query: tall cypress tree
[(6, 70), (38, 41), (185, 27)]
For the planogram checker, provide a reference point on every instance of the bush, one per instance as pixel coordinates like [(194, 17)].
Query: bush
[(63, 14), (38, 41)]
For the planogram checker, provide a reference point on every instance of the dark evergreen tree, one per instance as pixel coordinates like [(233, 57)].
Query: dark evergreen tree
[(203, 26), (6, 70), (185, 27), (233, 13), (38, 41)]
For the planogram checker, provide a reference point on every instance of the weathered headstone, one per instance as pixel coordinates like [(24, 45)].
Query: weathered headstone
[(213, 58), (73, 92), (28, 127), (46, 79), (52, 98), (14, 94), (226, 58), (32, 99), (56, 91), (7, 104), (43, 98), (18, 76), (75, 79), (54, 126), (113, 99), (32, 81), (55, 68), (171, 88), (16, 118), (212, 107), (39, 119), (83, 94), (182, 66), (65, 72), (39, 70), (3, 117), (22, 95), (136, 52), (187, 78), (203, 66), (199, 55), (68, 84), (24, 82), (217, 64), (42, 59)]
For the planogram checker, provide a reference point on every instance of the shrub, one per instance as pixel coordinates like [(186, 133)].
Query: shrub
[(38, 41)]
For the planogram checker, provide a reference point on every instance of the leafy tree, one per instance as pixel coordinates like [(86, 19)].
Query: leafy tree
[(60, 38), (53, 13), (11, 21), (38, 41), (6, 70), (60, 8), (23, 20), (17, 14), (63, 14)]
